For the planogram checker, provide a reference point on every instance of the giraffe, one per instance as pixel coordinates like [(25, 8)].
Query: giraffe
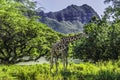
[(61, 48)]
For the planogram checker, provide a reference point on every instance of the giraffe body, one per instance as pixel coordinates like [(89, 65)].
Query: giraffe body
[(58, 49), (61, 49)]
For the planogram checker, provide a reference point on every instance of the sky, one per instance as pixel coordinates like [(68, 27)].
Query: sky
[(56, 5)]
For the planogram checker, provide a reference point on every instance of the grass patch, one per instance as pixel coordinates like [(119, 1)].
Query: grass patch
[(84, 71)]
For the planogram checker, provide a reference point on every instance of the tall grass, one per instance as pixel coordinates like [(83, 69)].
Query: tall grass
[(84, 71)]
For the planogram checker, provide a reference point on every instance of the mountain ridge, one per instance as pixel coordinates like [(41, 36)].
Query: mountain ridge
[(75, 16)]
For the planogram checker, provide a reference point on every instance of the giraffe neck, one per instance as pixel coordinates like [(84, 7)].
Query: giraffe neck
[(70, 39), (64, 42)]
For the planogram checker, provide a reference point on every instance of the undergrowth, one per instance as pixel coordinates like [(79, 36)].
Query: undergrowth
[(84, 71)]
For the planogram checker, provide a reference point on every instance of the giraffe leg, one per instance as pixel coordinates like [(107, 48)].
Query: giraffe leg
[(64, 62), (51, 66), (51, 62), (56, 63)]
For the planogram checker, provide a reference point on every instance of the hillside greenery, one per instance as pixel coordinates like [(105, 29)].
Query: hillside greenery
[(103, 42), (23, 38)]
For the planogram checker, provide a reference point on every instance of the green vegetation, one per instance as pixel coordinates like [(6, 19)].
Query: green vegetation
[(103, 42), (21, 36), (83, 71)]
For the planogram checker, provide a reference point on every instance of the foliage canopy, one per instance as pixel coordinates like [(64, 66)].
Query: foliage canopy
[(21, 36), (103, 42)]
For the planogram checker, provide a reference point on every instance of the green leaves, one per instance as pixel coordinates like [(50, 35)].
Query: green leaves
[(113, 11), (109, 70), (22, 36), (102, 43)]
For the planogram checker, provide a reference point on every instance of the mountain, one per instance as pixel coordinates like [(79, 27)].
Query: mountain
[(69, 20)]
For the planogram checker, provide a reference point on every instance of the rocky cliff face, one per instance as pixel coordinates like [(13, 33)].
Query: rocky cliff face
[(70, 19)]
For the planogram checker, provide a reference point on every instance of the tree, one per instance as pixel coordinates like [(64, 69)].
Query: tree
[(22, 38), (28, 7), (102, 43), (104, 36), (113, 11)]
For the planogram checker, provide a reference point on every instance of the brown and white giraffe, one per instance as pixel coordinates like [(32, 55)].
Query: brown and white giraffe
[(61, 48)]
